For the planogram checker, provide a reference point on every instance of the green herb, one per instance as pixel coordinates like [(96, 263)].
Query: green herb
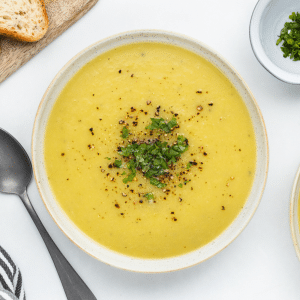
[(188, 166), (125, 132), (162, 124), (130, 177), (153, 159), (157, 183), (180, 185), (107, 158), (290, 36), (149, 196), (124, 173), (118, 163), (131, 166)]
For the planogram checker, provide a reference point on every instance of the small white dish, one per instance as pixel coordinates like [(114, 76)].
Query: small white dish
[(294, 215), (89, 245), (268, 18)]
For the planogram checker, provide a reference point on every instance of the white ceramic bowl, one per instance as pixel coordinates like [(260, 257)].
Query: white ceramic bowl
[(267, 20), (83, 241), (294, 216)]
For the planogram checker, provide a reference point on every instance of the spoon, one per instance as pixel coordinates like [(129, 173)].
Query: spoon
[(15, 175)]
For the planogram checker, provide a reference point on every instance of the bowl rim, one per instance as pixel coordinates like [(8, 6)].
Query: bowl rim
[(258, 50), (294, 203), (171, 261)]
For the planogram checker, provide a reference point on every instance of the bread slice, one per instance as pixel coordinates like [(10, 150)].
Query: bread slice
[(25, 20)]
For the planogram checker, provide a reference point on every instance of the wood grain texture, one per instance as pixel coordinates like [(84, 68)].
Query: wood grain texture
[(62, 14)]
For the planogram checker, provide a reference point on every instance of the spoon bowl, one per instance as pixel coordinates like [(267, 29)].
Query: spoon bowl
[(15, 165), (15, 175)]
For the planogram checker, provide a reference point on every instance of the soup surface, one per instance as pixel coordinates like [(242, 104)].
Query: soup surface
[(206, 187)]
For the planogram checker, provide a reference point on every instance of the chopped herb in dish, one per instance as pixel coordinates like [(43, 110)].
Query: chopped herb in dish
[(118, 163), (162, 124), (290, 36), (153, 158), (125, 132), (149, 196)]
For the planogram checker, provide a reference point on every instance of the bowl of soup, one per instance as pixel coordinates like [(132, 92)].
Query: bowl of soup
[(149, 151)]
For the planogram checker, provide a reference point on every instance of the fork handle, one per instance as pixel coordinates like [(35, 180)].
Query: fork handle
[(73, 285)]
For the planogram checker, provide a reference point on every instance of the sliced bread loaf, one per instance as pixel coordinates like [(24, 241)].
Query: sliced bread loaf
[(25, 20)]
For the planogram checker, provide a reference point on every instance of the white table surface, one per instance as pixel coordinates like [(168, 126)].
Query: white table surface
[(261, 263)]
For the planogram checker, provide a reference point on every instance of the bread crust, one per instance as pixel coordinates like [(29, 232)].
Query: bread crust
[(14, 32)]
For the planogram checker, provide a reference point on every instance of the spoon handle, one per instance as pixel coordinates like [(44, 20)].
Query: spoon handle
[(73, 285)]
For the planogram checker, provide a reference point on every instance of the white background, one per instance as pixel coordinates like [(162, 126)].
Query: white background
[(261, 263)]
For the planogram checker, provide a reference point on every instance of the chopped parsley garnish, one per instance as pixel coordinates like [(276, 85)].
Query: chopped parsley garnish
[(125, 132), (118, 163), (130, 177), (149, 196), (180, 185), (290, 36), (107, 158), (188, 166), (153, 159), (157, 183), (162, 124)]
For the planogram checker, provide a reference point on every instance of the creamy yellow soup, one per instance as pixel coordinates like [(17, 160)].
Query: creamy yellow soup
[(130, 85)]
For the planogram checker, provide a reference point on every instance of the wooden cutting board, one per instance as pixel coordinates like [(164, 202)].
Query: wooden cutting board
[(61, 14)]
